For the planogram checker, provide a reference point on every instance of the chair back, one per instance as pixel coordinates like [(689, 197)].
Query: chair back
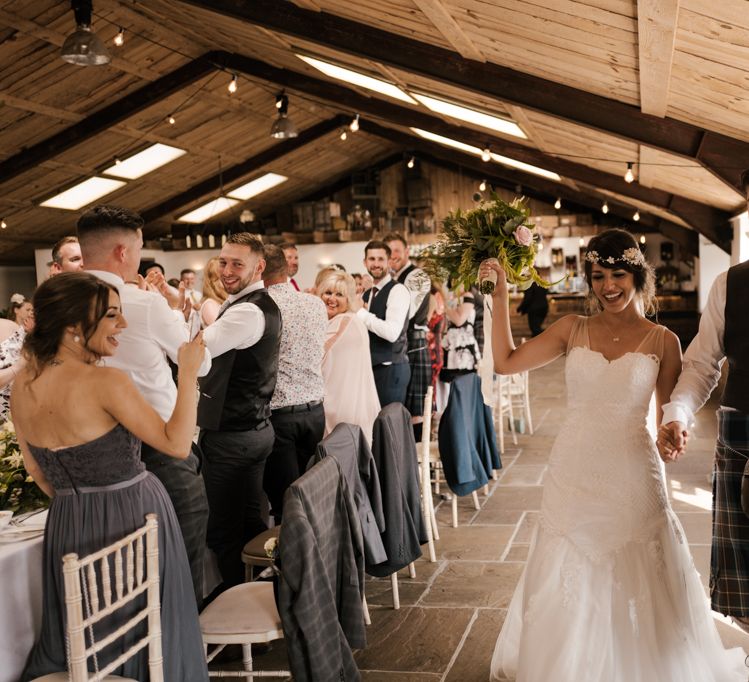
[(93, 593)]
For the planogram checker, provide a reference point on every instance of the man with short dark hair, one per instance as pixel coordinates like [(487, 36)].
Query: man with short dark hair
[(189, 278), (386, 318), (236, 433), (292, 261), (111, 241), (66, 256), (419, 285), (297, 411)]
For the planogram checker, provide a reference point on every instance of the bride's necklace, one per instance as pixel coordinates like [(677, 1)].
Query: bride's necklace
[(614, 337)]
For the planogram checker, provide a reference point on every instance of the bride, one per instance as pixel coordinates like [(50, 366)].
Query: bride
[(609, 592)]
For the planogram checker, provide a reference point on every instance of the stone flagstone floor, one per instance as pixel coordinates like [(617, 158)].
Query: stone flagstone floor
[(452, 612)]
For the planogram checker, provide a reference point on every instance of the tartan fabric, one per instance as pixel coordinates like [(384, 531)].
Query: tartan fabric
[(421, 372), (729, 564)]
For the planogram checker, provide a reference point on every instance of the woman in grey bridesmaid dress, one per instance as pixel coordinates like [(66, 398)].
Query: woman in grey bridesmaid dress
[(80, 427)]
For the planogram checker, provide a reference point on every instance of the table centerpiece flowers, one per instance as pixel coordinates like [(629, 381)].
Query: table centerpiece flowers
[(18, 491)]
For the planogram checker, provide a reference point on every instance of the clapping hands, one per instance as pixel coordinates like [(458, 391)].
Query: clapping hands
[(672, 441)]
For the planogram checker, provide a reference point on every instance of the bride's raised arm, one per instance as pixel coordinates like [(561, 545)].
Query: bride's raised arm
[(539, 351)]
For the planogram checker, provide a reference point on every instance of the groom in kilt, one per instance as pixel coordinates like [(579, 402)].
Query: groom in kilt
[(723, 334)]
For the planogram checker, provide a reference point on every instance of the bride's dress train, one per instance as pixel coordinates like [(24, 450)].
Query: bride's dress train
[(610, 592)]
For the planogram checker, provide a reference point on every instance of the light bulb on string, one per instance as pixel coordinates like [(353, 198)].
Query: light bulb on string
[(605, 207), (232, 87), (171, 120), (486, 154), (354, 125), (636, 216), (344, 135), (629, 176), (3, 224), (119, 39), (411, 162), (117, 160), (558, 203), (643, 240), (482, 186)]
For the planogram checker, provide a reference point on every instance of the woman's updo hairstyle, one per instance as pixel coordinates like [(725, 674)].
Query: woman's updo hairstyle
[(617, 249), (67, 299)]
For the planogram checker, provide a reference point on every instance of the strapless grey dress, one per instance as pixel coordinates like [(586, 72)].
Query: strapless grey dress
[(102, 493)]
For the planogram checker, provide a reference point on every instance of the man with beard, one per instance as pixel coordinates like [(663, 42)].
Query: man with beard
[(292, 262), (236, 434), (386, 318)]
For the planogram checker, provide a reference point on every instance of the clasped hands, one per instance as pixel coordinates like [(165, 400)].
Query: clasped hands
[(672, 441)]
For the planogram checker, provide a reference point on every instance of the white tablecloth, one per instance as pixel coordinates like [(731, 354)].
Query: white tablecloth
[(21, 611)]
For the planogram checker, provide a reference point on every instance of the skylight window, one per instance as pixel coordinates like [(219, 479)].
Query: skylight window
[(143, 162), (501, 125), (83, 194), (447, 141), (528, 168), (207, 211), (356, 78), (257, 186)]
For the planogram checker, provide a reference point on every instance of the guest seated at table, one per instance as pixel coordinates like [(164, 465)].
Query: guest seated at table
[(214, 293), (350, 392), (80, 427)]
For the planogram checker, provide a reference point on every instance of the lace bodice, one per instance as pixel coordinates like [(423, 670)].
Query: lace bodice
[(111, 458)]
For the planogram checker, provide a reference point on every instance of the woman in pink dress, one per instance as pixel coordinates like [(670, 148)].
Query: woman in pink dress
[(350, 393)]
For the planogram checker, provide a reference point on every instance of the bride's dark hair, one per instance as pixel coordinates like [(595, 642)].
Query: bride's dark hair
[(64, 300), (610, 247)]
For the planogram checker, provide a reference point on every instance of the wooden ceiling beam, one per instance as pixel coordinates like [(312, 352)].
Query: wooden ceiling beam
[(722, 155), (710, 222), (445, 23), (548, 188), (656, 32), (241, 170), (106, 118)]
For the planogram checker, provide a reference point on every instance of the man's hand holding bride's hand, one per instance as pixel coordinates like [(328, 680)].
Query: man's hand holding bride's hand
[(672, 441)]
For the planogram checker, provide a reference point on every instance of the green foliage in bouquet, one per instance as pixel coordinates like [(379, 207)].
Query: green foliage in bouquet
[(494, 229), (18, 492)]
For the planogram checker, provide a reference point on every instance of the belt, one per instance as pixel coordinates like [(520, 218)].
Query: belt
[(303, 407)]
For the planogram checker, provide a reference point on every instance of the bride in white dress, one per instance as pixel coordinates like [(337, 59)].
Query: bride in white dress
[(609, 592)]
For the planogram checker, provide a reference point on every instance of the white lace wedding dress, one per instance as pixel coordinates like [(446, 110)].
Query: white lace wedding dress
[(610, 592)]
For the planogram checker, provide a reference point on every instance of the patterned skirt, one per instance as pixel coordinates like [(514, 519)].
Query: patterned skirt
[(729, 565), (421, 372)]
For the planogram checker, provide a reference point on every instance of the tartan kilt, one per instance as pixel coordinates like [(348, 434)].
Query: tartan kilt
[(729, 561), (421, 372)]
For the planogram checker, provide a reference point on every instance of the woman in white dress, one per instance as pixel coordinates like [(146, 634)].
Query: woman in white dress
[(350, 392), (609, 592)]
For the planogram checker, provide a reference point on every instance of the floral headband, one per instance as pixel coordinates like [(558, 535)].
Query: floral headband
[(17, 299), (632, 256)]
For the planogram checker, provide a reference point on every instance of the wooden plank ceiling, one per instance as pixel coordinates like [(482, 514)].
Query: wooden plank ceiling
[(593, 84)]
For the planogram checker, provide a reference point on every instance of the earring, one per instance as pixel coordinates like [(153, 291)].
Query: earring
[(77, 338)]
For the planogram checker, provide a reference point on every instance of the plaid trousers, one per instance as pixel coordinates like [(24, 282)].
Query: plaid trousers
[(729, 563)]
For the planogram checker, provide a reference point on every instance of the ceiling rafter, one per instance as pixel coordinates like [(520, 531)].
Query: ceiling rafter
[(725, 157), (656, 33)]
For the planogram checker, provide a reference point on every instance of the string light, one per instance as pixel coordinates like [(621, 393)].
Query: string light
[(558, 203), (171, 120), (411, 162), (232, 87), (629, 176), (642, 239), (344, 135), (117, 160), (119, 39), (486, 154), (636, 216), (354, 125), (3, 224), (482, 186), (605, 207)]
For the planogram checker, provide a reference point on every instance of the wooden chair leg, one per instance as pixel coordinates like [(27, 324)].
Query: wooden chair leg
[(247, 657), (476, 504), (435, 529), (396, 595), (455, 510), (486, 487), (412, 570)]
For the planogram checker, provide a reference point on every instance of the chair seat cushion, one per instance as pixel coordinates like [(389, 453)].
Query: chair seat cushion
[(64, 677), (254, 550), (249, 609)]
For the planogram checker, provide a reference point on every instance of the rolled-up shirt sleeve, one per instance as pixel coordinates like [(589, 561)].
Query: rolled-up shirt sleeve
[(170, 332), (702, 360), (396, 313), (241, 326)]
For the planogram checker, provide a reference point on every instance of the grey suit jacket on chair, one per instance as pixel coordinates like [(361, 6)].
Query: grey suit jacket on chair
[(349, 446), (322, 577)]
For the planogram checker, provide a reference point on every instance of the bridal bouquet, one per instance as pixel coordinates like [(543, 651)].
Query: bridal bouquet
[(18, 491), (494, 229)]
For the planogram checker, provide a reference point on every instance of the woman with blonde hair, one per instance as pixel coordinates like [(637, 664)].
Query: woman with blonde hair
[(214, 293), (350, 392)]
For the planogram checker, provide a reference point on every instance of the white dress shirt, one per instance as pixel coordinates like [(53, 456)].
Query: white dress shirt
[(396, 312), (702, 360), (419, 287), (241, 326), (153, 333)]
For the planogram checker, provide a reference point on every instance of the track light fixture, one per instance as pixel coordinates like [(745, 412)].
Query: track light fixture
[(283, 128), (83, 47)]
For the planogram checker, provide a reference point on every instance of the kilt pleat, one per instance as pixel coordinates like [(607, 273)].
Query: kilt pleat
[(421, 373)]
